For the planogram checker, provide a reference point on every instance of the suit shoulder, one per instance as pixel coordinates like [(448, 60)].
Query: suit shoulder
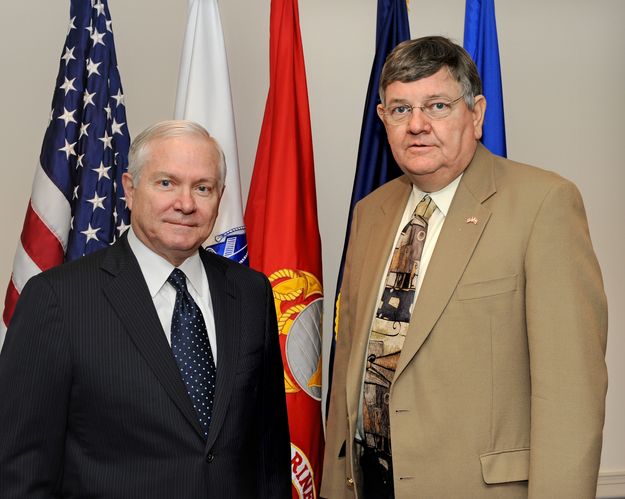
[(76, 269), (523, 174), (235, 269), (391, 188)]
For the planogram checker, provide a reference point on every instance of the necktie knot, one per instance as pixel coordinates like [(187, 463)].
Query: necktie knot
[(425, 208), (178, 280)]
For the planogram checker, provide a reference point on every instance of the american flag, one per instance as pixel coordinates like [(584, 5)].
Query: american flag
[(77, 203)]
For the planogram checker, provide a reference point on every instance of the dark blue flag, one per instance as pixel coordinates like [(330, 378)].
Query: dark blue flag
[(480, 41), (375, 164)]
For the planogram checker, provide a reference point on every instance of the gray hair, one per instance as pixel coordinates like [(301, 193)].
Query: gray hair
[(414, 60), (139, 150)]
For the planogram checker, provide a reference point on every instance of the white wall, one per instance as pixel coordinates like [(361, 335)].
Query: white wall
[(564, 89)]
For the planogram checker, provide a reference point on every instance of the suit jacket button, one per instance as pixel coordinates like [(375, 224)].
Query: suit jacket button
[(209, 458), (350, 482)]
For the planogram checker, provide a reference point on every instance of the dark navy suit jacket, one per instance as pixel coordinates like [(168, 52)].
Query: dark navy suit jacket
[(92, 403)]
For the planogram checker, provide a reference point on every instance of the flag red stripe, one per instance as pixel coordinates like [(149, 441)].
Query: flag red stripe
[(40, 244), (10, 301), (42, 247)]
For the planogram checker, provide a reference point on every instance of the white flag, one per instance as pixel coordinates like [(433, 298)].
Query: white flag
[(204, 97)]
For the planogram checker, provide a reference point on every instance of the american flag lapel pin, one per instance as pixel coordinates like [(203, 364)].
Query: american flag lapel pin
[(472, 220)]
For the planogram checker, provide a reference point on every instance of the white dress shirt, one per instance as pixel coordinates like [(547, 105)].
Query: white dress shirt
[(156, 270)]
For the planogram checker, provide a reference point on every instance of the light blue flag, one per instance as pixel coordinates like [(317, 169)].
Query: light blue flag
[(480, 41)]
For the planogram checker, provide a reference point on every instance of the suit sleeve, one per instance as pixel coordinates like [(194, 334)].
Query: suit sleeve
[(274, 472), (566, 315), (35, 382)]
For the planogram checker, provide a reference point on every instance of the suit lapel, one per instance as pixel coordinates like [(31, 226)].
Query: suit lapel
[(129, 296), (381, 226), (454, 247), (226, 311)]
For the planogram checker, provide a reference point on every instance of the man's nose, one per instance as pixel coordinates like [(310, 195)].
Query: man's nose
[(418, 121), (185, 201)]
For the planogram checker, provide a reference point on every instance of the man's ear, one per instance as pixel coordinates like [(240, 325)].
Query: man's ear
[(479, 110), (129, 189), (380, 109)]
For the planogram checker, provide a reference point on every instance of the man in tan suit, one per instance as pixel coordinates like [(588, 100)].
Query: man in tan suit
[(472, 328)]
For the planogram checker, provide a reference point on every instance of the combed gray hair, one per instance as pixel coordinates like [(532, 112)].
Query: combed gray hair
[(414, 60), (139, 150)]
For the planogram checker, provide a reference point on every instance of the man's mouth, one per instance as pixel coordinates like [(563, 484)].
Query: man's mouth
[(420, 146), (180, 223)]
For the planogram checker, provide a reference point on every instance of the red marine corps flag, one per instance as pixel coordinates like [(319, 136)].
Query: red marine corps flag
[(284, 242)]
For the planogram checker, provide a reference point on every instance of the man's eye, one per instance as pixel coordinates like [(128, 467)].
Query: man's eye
[(204, 189), (164, 182), (401, 110), (437, 107)]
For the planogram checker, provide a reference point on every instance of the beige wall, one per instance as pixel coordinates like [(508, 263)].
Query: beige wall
[(563, 75)]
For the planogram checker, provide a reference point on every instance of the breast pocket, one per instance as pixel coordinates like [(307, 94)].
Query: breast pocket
[(492, 306), (485, 289)]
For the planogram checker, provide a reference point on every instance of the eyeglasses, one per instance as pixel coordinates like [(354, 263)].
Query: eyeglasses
[(434, 109)]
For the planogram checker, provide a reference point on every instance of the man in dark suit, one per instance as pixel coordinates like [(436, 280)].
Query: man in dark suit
[(104, 390), (472, 327)]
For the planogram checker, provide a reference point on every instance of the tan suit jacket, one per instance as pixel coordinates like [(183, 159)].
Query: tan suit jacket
[(500, 387)]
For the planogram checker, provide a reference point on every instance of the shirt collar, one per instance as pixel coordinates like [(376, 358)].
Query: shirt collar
[(156, 269), (442, 198)]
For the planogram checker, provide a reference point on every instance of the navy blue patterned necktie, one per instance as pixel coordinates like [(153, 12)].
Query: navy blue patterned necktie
[(192, 351)]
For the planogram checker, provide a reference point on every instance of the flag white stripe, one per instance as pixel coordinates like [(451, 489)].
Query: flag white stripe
[(3, 333), (23, 268), (51, 206)]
